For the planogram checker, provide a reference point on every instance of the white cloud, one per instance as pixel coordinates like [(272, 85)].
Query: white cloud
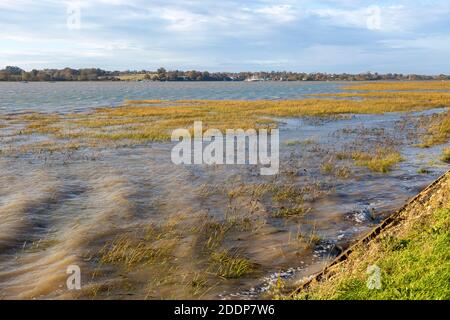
[(372, 17), (182, 20), (14, 4), (209, 33), (399, 16), (279, 13)]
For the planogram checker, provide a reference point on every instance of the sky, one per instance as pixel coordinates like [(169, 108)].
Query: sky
[(333, 36)]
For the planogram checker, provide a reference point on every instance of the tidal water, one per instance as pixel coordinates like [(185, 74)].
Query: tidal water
[(78, 96)]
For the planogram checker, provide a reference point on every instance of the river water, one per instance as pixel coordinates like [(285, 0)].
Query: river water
[(78, 96)]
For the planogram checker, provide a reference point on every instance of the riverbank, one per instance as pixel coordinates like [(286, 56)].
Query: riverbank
[(410, 255)]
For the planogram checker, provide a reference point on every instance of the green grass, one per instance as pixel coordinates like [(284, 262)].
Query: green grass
[(414, 265), (130, 253)]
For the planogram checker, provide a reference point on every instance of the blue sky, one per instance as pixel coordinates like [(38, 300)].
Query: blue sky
[(327, 36)]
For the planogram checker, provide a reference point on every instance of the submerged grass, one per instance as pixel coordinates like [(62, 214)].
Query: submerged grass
[(305, 142), (295, 211), (131, 252), (423, 171), (230, 265), (379, 161), (329, 167), (277, 200), (151, 245), (438, 130)]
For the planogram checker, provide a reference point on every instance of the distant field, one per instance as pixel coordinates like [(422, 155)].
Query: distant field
[(132, 77)]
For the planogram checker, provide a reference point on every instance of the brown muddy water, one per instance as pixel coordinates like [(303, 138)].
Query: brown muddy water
[(140, 227)]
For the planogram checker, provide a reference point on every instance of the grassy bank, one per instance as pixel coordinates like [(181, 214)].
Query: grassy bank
[(413, 257)]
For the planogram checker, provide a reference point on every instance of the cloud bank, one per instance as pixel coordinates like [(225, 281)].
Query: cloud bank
[(327, 36)]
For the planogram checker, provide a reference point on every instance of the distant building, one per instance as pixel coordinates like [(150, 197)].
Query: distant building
[(254, 78)]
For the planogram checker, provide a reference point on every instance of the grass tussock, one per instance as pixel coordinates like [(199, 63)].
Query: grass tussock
[(280, 200), (230, 265), (438, 130), (152, 245), (306, 240), (131, 252), (330, 167), (446, 155), (381, 160)]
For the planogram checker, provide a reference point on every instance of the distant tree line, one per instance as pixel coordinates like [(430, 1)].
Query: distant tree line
[(67, 74), (94, 74)]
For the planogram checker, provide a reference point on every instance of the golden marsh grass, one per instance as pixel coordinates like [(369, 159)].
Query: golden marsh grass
[(438, 130), (152, 121), (446, 155), (381, 160), (407, 86)]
